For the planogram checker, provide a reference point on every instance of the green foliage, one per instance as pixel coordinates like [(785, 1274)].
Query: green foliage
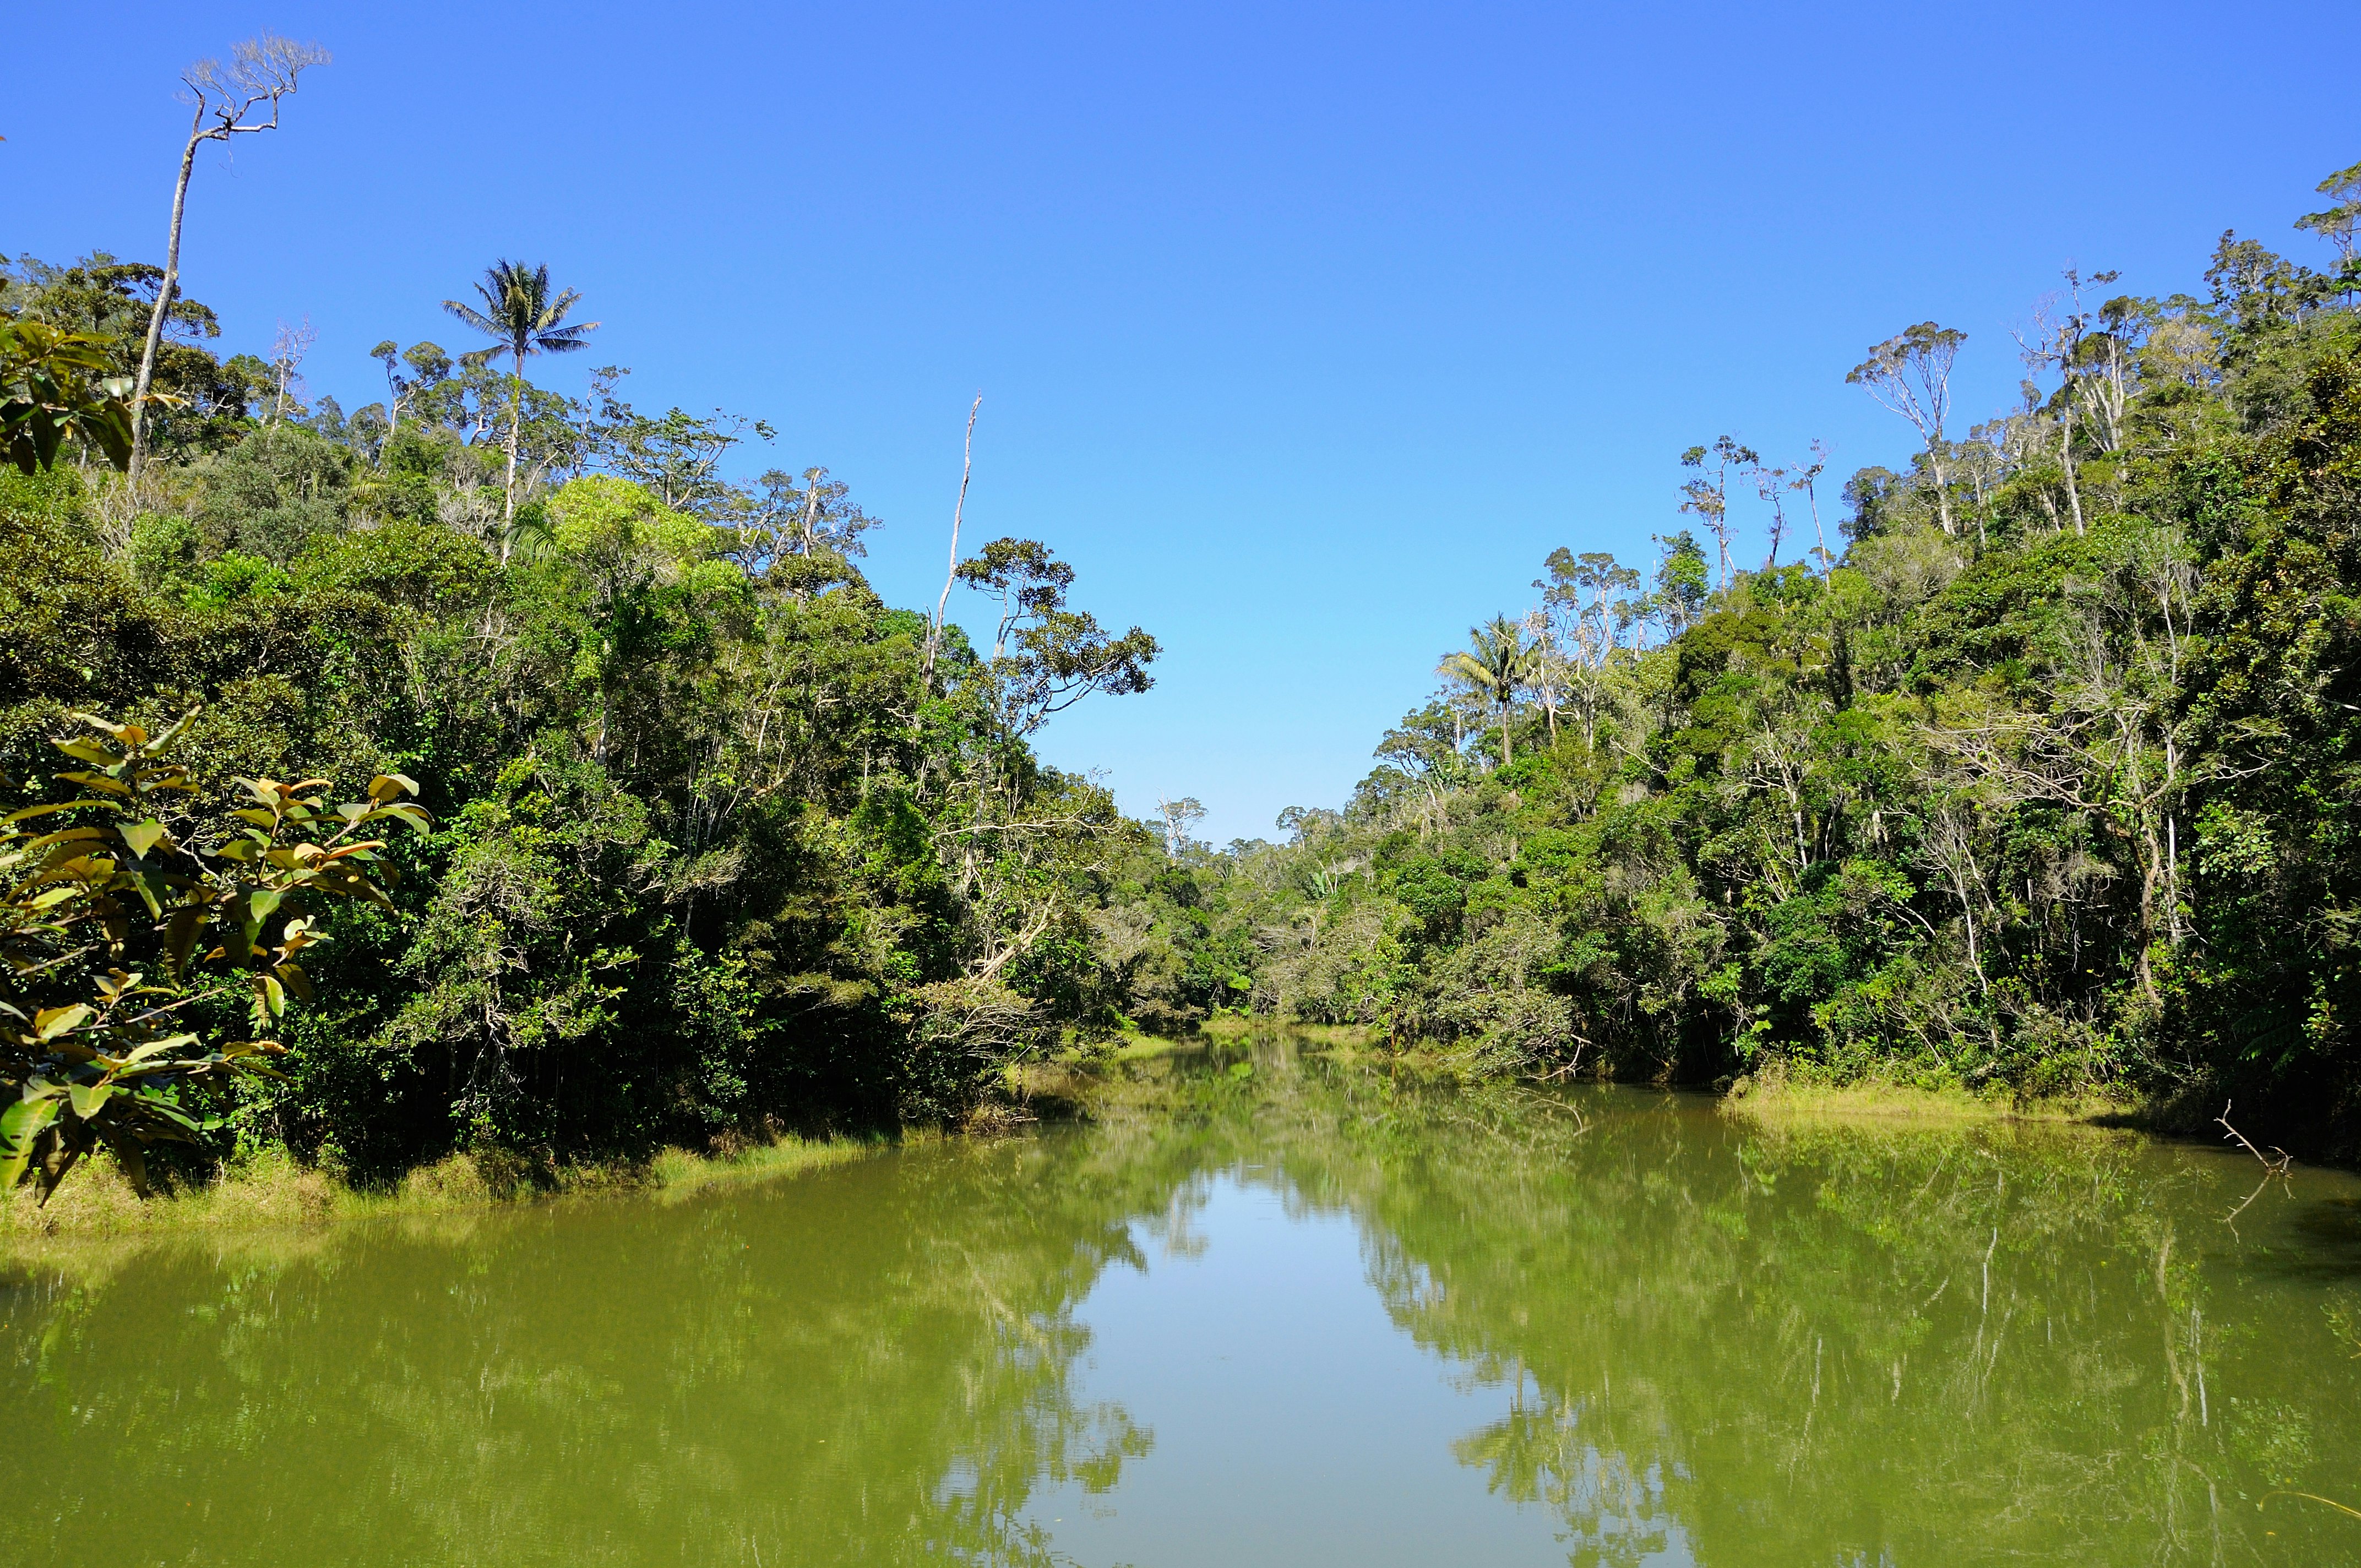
[(94, 1051), (720, 847), (54, 386), (2046, 786)]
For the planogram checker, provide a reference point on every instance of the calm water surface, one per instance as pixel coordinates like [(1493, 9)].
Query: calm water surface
[(1276, 1312)]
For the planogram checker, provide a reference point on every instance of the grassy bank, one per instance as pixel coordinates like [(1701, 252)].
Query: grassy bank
[(1231, 1026), (1777, 1095), (272, 1190)]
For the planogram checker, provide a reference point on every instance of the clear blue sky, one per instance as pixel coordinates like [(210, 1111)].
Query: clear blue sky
[(1305, 332)]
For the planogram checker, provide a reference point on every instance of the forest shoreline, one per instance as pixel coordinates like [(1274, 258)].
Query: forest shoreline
[(273, 1192), (2035, 785)]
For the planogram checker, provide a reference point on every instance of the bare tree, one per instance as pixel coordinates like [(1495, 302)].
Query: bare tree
[(967, 465), (1808, 479), (228, 101), (1179, 817), (1910, 373), (287, 351)]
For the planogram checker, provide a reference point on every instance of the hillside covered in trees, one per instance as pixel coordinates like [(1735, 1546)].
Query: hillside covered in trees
[(719, 841), (2037, 771), (2032, 773)]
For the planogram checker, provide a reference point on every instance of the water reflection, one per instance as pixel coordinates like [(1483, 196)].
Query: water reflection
[(1694, 1339), (876, 1367), (1837, 1343)]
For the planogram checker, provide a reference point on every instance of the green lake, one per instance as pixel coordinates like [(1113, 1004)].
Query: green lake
[(1267, 1308)]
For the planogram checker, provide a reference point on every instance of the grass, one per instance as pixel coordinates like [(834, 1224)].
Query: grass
[(1236, 1026), (1776, 1095), (1138, 1047), (273, 1191)]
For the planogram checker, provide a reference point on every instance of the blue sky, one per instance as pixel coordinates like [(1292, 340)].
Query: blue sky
[(1305, 332)]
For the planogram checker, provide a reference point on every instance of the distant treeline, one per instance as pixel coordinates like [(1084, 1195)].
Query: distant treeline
[(719, 841), (2036, 771), (2033, 772)]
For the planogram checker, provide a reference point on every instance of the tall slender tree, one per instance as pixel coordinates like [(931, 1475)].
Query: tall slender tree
[(1497, 659), (229, 100), (1910, 373), (1808, 479), (525, 319)]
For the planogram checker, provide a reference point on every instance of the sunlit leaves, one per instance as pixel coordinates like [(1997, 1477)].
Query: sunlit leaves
[(78, 1027)]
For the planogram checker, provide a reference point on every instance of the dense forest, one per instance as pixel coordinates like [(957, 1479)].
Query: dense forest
[(2027, 770), (2033, 774), (717, 840)]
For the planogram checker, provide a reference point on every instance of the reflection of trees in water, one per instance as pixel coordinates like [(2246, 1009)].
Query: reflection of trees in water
[(1537, 1453), (1717, 1341), (873, 1365), (1840, 1342)]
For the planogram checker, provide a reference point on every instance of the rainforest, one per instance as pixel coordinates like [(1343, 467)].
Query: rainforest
[(791, 786), (2023, 768)]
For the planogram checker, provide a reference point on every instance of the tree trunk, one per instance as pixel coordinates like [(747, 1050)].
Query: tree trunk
[(2066, 461), (934, 632), (516, 427), (163, 300), (1942, 485), (1967, 916)]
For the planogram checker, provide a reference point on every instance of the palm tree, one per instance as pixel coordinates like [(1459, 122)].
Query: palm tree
[(1497, 659), (522, 319)]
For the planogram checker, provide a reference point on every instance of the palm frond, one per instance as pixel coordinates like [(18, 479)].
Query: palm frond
[(1467, 667), (549, 312), (475, 318), (564, 340)]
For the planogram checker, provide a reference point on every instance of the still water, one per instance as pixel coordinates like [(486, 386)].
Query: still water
[(1269, 1311)]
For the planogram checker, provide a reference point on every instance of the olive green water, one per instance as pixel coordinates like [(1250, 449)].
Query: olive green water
[(1302, 1314)]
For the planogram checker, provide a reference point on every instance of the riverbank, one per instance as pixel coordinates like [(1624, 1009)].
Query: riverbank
[(1776, 1095), (273, 1191)]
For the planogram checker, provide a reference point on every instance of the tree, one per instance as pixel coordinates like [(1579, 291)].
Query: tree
[(1497, 659), (398, 387), (2337, 223), (1808, 479), (1046, 657), (525, 318), (1578, 586), (226, 98), (108, 926), (1180, 816), (1682, 586), (1424, 748), (2066, 343), (1709, 497), (1579, 590), (777, 520), (959, 510), (287, 352), (677, 456), (1910, 374), (1771, 485)]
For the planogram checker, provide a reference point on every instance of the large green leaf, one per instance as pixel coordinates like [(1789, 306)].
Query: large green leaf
[(21, 1125)]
